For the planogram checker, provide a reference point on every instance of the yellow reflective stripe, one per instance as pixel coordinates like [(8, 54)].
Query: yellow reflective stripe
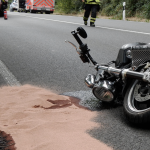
[(92, 19), (85, 19), (92, 1)]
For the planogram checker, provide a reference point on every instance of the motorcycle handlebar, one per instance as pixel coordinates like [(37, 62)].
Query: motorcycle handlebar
[(85, 56), (77, 37), (126, 73)]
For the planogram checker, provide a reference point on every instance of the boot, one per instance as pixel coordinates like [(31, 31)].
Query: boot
[(92, 24), (85, 22)]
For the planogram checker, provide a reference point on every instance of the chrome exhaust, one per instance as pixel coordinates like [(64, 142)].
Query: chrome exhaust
[(90, 80)]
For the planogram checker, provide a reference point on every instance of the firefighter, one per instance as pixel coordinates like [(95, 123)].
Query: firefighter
[(4, 4), (92, 6)]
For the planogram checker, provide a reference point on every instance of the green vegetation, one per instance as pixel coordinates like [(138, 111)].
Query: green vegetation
[(69, 6), (9, 1), (134, 8)]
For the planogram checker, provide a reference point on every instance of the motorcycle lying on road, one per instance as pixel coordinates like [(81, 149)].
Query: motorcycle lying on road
[(127, 82)]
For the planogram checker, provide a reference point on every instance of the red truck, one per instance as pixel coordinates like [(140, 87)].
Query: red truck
[(3, 6), (34, 6)]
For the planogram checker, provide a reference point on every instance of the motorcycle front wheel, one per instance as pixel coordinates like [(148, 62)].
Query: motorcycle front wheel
[(137, 103)]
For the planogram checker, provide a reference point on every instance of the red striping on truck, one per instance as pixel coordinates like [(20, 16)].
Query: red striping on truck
[(34, 6)]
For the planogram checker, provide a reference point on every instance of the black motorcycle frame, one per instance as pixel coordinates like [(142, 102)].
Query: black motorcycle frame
[(115, 84)]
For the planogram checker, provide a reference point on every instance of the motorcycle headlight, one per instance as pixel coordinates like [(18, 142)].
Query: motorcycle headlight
[(104, 91)]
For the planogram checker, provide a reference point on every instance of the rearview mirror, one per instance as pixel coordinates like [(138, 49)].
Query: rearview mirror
[(82, 32)]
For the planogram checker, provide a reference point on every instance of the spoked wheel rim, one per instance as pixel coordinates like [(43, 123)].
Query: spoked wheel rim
[(139, 97)]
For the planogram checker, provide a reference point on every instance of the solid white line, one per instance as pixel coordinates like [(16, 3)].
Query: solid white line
[(83, 24), (9, 78), (124, 30)]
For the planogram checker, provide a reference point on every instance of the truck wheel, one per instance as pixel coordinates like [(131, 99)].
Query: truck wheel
[(137, 103), (47, 12), (31, 11)]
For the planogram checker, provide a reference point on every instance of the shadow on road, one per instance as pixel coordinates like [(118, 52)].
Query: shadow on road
[(116, 132)]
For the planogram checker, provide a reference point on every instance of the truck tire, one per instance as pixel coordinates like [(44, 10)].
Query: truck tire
[(47, 12), (31, 11), (137, 103)]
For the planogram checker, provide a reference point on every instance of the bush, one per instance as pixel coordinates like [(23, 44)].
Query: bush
[(134, 8), (69, 6)]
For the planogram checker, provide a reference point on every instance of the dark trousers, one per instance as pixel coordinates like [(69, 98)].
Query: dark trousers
[(90, 8)]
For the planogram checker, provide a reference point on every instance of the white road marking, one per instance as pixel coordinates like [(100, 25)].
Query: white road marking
[(124, 30), (9, 78), (83, 24)]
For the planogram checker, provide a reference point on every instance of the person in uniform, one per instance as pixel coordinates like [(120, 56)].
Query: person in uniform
[(92, 6), (4, 4)]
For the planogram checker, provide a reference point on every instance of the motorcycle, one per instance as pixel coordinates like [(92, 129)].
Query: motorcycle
[(127, 83)]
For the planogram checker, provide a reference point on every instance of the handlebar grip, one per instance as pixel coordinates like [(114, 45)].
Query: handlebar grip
[(76, 37)]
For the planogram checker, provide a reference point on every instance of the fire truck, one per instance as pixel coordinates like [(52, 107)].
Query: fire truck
[(3, 6), (34, 6)]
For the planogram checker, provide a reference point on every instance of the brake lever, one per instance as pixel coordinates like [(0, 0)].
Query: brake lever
[(71, 44), (78, 50)]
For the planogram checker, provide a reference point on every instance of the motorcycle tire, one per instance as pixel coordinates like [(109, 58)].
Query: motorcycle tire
[(136, 112)]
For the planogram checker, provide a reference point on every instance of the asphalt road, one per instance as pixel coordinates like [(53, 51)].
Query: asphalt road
[(33, 51)]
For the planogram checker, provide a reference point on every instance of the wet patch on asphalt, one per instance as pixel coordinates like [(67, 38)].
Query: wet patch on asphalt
[(88, 100)]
